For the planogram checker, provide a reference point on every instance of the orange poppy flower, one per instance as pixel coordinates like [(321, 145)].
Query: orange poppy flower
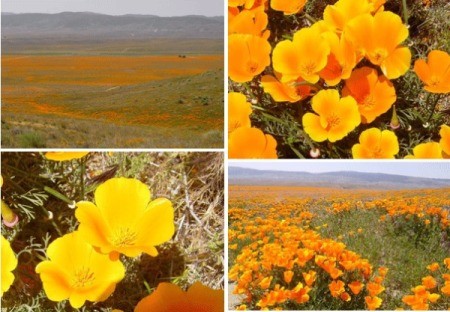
[(445, 139), (374, 94), (239, 111), (287, 6), (288, 275), (429, 282), (336, 117), (169, 297), (433, 267), (252, 22), (345, 296), (341, 60), (140, 227), (265, 283), (248, 56), (305, 56), (447, 262), (374, 289), (343, 11), (373, 303), (435, 73), (426, 150), (374, 143), (356, 287), (378, 38), (336, 288), (251, 143), (291, 91), (309, 277)]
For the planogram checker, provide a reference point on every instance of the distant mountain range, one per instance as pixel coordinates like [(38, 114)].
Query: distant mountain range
[(87, 25), (342, 179)]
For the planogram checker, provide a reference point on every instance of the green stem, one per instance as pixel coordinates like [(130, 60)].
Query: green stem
[(273, 118), (405, 12), (434, 107), (82, 172), (58, 195)]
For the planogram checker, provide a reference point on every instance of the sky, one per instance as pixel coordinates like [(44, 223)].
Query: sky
[(435, 169), (118, 7)]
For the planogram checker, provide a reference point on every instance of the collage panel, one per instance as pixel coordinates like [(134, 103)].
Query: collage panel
[(112, 74), (112, 231), (338, 79), (338, 235)]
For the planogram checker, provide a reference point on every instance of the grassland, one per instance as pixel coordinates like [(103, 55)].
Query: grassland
[(112, 94), (271, 227)]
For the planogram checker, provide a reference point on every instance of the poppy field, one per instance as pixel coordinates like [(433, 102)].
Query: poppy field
[(338, 79), (66, 96), (313, 248), (112, 231)]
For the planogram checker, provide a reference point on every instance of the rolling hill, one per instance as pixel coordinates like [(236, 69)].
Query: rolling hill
[(92, 26), (342, 179)]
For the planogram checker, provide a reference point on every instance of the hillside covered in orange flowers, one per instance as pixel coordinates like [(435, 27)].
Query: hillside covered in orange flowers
[(310, 248)]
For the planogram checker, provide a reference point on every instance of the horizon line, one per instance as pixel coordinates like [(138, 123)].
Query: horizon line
[(92, 12), (337, 171)]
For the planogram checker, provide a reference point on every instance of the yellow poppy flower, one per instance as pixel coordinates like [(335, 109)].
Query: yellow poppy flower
[(252, 22), (426, 150), (75, 271), (9, 263), (124, 220), (239, 111), (305, 56), (251, 143), (445, 139), (62, 156), (288, 7), (336, 117), (339, 14), (435, 73), (378, 38), (374, 143), (291, 91), (169, 297), (248, 56), (374, 94)]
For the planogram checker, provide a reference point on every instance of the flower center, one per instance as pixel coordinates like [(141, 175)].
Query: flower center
[(308, 68), (434, 81), (368, 102), (332, 121), (82, 277), (123, 237), (377, 152), (252, 66), (379, 56)]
